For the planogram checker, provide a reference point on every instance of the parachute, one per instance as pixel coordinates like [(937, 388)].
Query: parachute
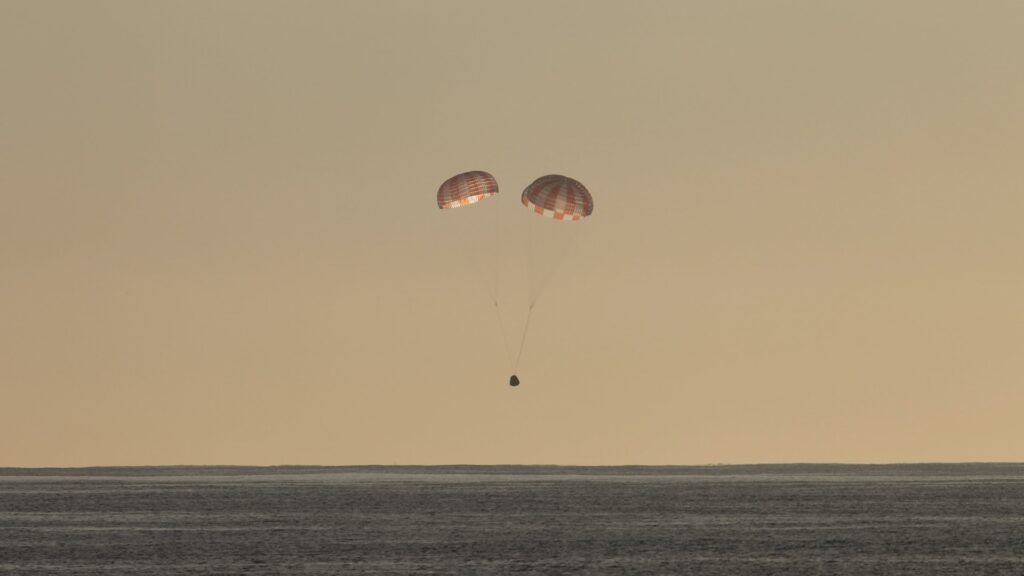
[(558, 197), (471, 189), (554, 203), (465, 189)]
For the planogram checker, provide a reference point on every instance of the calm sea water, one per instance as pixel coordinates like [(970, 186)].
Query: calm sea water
[(734, 520)]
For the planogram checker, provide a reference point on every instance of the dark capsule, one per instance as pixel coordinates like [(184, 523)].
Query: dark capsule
[(513, 381)]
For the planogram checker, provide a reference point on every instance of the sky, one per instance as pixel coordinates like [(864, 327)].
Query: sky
[(219, 242)]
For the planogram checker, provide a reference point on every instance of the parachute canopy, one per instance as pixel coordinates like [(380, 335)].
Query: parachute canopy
[(558, 197), (466, 188)]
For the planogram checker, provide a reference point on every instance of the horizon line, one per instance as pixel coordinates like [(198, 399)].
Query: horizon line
[(515, 465)]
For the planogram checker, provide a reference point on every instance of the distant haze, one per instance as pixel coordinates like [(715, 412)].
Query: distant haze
[(219, 242)]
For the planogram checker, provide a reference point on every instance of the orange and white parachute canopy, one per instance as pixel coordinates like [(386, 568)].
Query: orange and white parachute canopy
[(558, 197), (466, 188)]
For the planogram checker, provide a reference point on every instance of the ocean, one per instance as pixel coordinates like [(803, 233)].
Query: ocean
[(926, 519)]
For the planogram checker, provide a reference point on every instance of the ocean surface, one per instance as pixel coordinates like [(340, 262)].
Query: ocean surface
[(929, 519)]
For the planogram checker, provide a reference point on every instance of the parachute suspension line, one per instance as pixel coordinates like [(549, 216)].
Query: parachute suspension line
[(496, 237), (522, 342), (490, 269), (496, 244), (504, 336), (529, 286)]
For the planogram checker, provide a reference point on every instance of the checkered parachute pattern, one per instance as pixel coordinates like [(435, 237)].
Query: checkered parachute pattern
[(466, 188), (558, 197)]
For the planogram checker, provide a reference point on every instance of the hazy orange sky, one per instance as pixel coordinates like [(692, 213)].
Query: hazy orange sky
[(219, 241)]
